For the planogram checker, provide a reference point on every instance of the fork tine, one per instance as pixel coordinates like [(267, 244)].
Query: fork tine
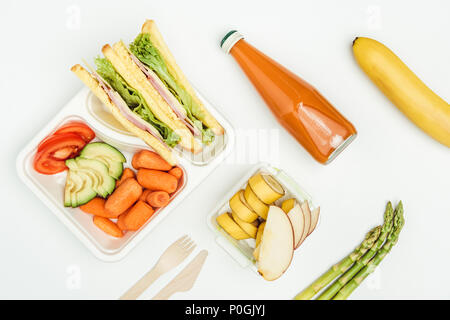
[(190, 249), (181, 240), (188, 244), (185, 240)]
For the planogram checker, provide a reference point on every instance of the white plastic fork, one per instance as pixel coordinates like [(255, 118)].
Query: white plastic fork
[(172, 257)]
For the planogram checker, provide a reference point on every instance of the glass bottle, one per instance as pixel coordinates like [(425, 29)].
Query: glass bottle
[(297, 105)]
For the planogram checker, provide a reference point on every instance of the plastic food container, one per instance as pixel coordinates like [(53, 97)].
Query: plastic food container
[(242, 250), (86, 107)]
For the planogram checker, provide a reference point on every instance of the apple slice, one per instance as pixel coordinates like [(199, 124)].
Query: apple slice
[(256, 253), (298, 223), (260, 233), (314, 219), (307, 218), (277, 245)]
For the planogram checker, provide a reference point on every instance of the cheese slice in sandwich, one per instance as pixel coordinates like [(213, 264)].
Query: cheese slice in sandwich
[(130, 72), (155, 58), (121, 106)]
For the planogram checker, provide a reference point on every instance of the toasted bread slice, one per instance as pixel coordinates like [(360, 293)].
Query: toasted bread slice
[(126, 67), (154, 143), (158, 41)]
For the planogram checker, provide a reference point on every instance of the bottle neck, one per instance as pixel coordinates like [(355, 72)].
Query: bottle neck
[(230, 39), (236, 50)]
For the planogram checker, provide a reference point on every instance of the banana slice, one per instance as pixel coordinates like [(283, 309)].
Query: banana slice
[(255, 203), (249, 228), (231, 227), (260, 233), (241, 208), (266, 187)]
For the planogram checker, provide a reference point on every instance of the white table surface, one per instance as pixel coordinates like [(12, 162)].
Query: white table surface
[(390, 160)]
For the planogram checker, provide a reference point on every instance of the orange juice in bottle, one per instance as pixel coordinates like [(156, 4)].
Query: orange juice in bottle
[(297, 105)]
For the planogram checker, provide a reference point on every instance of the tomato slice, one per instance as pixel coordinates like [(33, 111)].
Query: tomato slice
[(79, 128), (51, 155), (48, 166), (75, 127)]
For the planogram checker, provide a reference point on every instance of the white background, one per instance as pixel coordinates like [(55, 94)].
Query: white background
[(390, 160)]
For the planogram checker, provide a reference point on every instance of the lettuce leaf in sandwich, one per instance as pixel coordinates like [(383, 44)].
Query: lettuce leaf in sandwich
[(134, 100), (148, 54)]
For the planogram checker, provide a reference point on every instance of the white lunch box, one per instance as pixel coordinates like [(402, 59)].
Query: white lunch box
[(86, 107)]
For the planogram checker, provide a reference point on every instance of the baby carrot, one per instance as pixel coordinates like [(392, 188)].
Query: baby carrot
[(149, 160), (157, 180), (121, 222), (137, 216), (123, 197), (144, 195), (127, 173), (176, 172), (158, 199), (96, 207), (108, 226)]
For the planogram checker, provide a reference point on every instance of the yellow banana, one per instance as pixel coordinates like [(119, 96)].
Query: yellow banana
[(418, 102)]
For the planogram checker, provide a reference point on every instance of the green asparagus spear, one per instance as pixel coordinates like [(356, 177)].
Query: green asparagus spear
[(399, 222), (334, 288), (340, 267)]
